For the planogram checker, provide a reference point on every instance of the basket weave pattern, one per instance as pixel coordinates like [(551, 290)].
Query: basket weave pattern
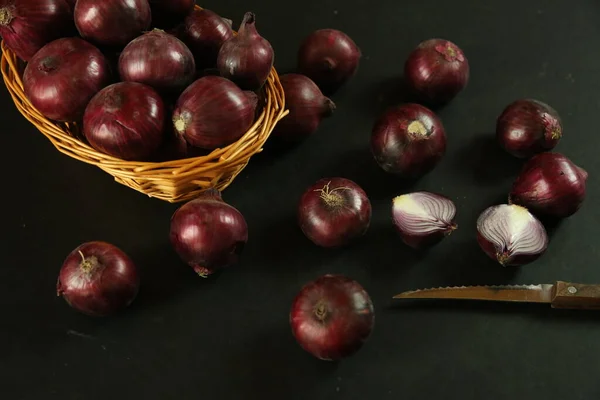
[(172, 181)]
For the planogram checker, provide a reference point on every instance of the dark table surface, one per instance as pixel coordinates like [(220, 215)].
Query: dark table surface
[(228, 337)]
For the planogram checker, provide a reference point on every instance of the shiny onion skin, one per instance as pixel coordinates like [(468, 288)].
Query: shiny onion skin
[(550, 184), (204, 32), (125, 120), (423, 219), (511, 235), (27, 25), (329, 57), (527, 127), (213, 112), (247, 58), (307, 107), (436, 71), (112, 22), (332, 317), (408, 140), (98, 279), (334, 212), (208, 234), (168, 13), (159, 60), (63, 76)]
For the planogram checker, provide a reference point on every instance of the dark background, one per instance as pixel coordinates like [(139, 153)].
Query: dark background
[(228, 337)]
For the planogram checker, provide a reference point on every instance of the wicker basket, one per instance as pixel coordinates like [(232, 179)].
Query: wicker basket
[(172, 181)]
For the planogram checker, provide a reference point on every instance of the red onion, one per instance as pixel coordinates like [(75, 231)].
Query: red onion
[(125, 120), (550, 184), (63, 76), (112, 22), (204, 32), (437, 70), (408, 140), (511, 235), (168, 13), (527, 127), (27, 25), (159, 60), (423, 218), (246, 59), (214, 112), (332, 317), (208, 233), (98, 279), (328, 57), (334, 212), (307, 107)]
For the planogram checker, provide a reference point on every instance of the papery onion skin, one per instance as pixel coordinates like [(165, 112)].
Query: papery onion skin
[(63, 76), (332, 317), (527, 127), (125, 120), (98, 279), (330, 58), (408, 140), (511, 235), (423, 219), (307, 108), (436, 71), (208, 234), (550, 184), (213, 112), (334, 212), (168, 13), (112, 22)]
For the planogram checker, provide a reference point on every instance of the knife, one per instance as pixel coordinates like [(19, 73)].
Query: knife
[(559, 295)]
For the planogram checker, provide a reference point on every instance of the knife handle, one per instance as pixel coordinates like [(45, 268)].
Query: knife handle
[(576, 296)]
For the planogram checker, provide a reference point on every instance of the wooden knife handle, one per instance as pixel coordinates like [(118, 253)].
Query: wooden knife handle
[(576, 296)]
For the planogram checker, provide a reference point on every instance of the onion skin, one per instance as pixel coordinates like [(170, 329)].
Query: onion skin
[(159, 60), (330, 58), (63, 76), (208, 234), (334, 212), (550, 184), (307, 108), (436, 71), (408, 140), (423, 219), (125, 120), (112, 22), (106, 282), (213, 112), (168, 13), (332, 317), (246, 59), (527, 127)]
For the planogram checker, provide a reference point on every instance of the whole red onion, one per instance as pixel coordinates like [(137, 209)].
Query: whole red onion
[(408, 140), (204, 32), (63, 76), (307, 107), (159, 60), (437, 70), (125, 120), (332, 317), (214, 112), (168, 13), (112, 22), (247, 58), (333, 212), (208, 233), (527, 127), (98, 279), (329, 57), (550, 184)]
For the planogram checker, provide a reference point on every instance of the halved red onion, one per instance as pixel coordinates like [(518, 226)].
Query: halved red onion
[(423, 218), (511, 235)]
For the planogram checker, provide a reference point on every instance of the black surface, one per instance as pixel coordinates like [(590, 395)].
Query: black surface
[(228, 337)]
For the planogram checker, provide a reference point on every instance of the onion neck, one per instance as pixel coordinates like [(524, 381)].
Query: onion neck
[(450, 52), (211, 194), (48, 64), (329, 64), (328, 107), (321, 311), (248, 25), (5, 16)]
